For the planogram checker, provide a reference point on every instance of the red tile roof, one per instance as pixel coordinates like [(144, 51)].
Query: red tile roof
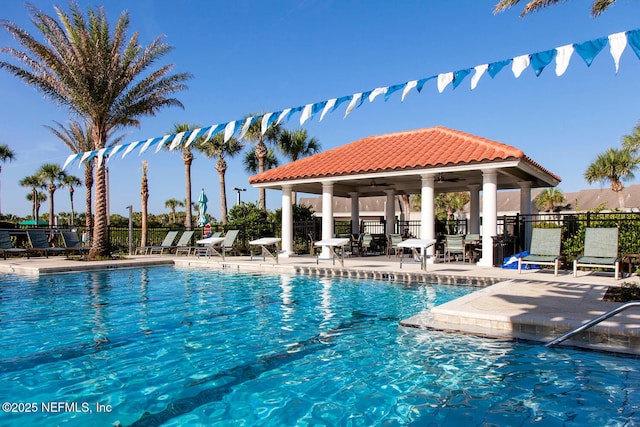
[(415, 149)]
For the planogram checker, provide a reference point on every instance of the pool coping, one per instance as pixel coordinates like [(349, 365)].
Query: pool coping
[(533, 307)]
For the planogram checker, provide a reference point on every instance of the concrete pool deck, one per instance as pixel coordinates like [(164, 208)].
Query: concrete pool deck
[(534, 305)]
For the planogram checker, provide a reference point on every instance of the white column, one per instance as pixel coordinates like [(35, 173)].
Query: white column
[(327, 216), (287, 222), (489, 215), (525, 209), (427, 216), (390, 213), (474, 209), (355, 212)]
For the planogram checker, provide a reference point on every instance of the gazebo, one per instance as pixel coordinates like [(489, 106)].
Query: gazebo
[(424, 161)]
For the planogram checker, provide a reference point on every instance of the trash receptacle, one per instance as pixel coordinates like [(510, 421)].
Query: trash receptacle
[(503, 247)]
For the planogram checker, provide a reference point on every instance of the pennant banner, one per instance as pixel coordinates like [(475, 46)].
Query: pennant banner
[(538, 61)]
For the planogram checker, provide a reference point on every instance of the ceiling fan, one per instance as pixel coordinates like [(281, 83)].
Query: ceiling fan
[(441, 179), (374, 184)]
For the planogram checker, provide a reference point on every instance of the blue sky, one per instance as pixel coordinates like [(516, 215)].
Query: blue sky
[(256, 56)]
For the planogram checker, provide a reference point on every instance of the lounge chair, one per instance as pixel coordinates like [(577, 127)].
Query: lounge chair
[(184, 240), (40, 244), (600, 250), (545, 249), (187, 248), (7, 247), (73, 244), (222, 247), (167, 243), (454, 245)]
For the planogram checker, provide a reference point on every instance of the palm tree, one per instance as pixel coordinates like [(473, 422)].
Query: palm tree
[(597, 8), (632, 142), (52, 176), (254, 135), (33, 182), (5, 154), (614, 166), (37, 198), (187, 158), (98, 76), (144, 196), (77, 137), (250, 161), (219, 149), (71, 182), (172, 204), (549, 198), (447, 204), (295, 145)]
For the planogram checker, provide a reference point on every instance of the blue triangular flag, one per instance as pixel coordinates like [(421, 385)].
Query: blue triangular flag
[(458, 76), (421, 82), (496, 67), (633, 37), (589, 50), (392, 89), (540, 60)]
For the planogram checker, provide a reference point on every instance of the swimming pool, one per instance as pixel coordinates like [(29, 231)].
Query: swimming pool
[(168, 346)]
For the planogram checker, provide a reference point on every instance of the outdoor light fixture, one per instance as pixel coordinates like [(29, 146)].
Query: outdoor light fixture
[(239, 190)]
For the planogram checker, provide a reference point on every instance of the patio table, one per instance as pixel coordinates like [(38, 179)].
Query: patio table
[(414, 245), (264, 244)]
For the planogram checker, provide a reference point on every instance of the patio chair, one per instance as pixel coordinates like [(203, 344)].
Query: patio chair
[(392, 244), (184, 243), (366, 241), (72, 242), (600, 250), (454, 245), (166, 244), (544, 250), (40, 244), (473, 246), (7, 247)]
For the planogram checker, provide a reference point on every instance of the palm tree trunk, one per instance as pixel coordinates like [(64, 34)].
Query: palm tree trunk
[(71, 190), (51, 210), (34, 195), (223, 199), (88, 183), (100, 233), (144, 194), (620, 199), (188, 220), (262, 191)]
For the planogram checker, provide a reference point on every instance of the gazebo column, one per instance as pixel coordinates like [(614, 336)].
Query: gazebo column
[(525, 209), (474, 209), (327, 217), (489, 215), (355, 212), (390, 211), (427, 215), (287, 222)]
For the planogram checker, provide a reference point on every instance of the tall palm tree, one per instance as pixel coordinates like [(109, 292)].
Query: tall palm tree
[(37, 198), (250, 161), (5, 154), (187, 158), (597, 8), (295, 145), (77, 137), (254, 135), (144, 196), (71, 181), (172, 204), (218, 149), (614, 166), (52, 177), (33, 182), (98, 75), (549, 198), (632, 142)]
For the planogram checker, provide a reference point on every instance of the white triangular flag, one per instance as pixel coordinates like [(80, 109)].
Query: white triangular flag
[(562, 58), (354, 100), (444, 80), (407, 88), (480, 70), (617, 44), (520, 63), (330, 104)]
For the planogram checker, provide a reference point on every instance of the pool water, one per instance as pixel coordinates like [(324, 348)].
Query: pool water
[(175, 347)]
